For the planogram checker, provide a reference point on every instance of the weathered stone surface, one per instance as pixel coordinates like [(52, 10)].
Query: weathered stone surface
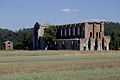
[(8, 45), (73, 36), (37, 40)]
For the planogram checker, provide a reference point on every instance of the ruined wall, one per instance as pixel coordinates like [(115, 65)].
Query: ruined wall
[(41, 44), (72, 36), (84, 44), (38, 33), (93, 31), (80, 30), (70, 31), (68, 44), (96, 30), (107, 41)]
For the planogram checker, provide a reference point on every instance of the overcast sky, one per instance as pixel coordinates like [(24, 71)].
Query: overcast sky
[(16, 14)]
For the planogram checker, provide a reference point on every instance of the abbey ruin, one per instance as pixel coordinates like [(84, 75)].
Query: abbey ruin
[(73, 36)]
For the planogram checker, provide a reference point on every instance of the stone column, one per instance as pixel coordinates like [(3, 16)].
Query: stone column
[(67, 31), (81, 31), (78, 29), (61, 32), (86, 31), (58, 32), (74, 30), (102, 30), (64, 31), (79, 26), (71, 31)]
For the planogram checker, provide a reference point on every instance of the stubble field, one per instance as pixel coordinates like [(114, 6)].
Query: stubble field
[(60, 65)]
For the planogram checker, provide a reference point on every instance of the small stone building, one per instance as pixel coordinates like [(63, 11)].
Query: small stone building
[(8, 45)]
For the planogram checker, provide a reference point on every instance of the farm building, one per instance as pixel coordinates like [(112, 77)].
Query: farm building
[(8, 45)]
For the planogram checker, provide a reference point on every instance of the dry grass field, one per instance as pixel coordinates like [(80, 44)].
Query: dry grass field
[(60, 65)]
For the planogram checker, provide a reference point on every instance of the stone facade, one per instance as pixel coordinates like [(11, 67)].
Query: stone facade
[(8, 45), (73, 36), (38, 37)]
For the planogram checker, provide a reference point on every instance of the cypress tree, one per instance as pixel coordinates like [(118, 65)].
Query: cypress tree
[(96, 44), (103, 46), (89, 44), (116, 45), (110, 45)]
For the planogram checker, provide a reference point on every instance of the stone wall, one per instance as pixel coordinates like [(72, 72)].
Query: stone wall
[(68, 44), (107, 41), (96, 30), (37, 39), (73, 36), (71, 31), (8, 45)]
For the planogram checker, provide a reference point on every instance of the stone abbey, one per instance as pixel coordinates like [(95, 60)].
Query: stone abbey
[(73, 36)]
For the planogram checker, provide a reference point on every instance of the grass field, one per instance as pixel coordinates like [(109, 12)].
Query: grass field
[(59, 65)]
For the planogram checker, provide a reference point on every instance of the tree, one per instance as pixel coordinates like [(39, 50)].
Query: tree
[(89, 44), (96, 44), (113, 38), (27, 40), (111, 26), (119, 38), (19, 46), (110, 45), (49, 36), (116, 45), (103, 46)]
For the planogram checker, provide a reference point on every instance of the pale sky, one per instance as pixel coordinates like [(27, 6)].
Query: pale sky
[(17, 14)]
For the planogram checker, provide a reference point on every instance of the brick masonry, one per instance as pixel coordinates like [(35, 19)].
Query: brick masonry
[(8, 45), (73, 36)]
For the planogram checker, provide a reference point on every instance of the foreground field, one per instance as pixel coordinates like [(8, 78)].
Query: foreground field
[(59, 65)]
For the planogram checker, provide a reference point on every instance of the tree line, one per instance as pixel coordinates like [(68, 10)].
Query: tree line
[(112, 29), (22, 38)]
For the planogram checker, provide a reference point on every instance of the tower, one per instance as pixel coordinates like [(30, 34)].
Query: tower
[(36, 36), (101, 30)]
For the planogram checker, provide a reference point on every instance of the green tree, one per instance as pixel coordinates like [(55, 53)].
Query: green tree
[(49, 36), (19, 46), (111, 26), (110, 45), (96, 44), (114, 37), (89, 44), (116, 45), (27, 40), (119, 39), (103, 46)]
